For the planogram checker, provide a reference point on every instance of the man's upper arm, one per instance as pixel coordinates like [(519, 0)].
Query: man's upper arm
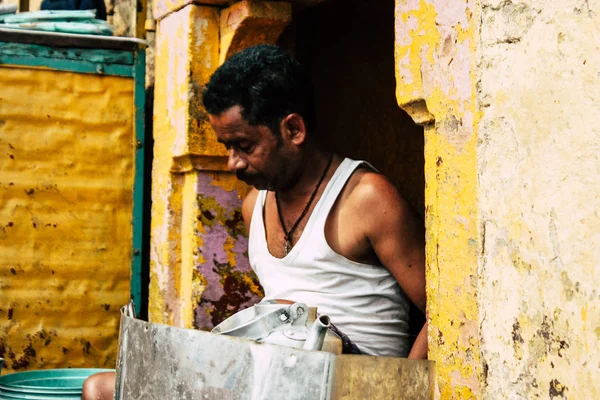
[(396, 234), (248, 208)]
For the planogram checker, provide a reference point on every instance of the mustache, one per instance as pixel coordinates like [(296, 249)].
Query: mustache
[(241, 176), (259, 181), (244, 176)]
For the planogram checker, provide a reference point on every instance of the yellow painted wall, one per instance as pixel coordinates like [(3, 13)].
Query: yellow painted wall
[(180, 126), (509, 96), (199, 265), (66, 179), (435, 53)]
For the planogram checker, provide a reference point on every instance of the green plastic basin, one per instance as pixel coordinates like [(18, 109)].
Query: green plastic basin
[(50, 384)]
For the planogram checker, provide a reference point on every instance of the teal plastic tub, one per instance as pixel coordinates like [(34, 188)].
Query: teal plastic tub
[(50, 384)]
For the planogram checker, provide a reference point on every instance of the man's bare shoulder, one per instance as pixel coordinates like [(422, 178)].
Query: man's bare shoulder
[(367, 188), (375, 204), (248, 207)]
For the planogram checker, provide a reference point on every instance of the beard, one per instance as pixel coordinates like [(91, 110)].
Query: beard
[(258, 180)]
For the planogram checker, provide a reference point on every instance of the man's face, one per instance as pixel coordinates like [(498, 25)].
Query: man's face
[(255, 154)]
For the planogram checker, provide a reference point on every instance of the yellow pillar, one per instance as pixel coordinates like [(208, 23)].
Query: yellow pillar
[(435, 49), (199, 267), (249, 23)]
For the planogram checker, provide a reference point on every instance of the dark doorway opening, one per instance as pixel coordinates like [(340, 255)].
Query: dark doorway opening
[(348, 48)]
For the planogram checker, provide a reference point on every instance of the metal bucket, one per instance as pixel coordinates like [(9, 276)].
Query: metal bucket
[(50, 384)]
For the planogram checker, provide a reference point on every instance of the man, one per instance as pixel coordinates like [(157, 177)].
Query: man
[(323, 230)]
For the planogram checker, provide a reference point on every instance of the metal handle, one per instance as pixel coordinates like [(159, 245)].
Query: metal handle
[(261, 326), (316, 337)]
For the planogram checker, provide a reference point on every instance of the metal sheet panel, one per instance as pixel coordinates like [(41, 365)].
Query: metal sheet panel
[(66, 183), (163, 362)]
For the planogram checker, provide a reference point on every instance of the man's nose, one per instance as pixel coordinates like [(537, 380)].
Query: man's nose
[(234, 162)]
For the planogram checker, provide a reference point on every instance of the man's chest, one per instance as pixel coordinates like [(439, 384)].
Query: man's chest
[(340, 228)]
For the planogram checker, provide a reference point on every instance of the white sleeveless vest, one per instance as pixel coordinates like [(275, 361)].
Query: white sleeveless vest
[(364, 301)]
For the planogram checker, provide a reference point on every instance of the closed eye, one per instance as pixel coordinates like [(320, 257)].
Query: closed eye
[(244, 146)]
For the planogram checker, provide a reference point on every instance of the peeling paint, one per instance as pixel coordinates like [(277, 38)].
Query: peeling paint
[(507, 97), (231, 285), (435, 68), (199, 265), (180, 127)]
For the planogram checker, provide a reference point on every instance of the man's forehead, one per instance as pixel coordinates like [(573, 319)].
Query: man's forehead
[(232, 115), (231, 126), (228, 119), (230, 135), (228, 130)]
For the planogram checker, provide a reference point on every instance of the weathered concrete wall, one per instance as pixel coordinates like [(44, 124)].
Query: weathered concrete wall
[(347, 47), (508, 93), (181, 69), (435, 43), (127, 17), (199, 271), (539, 172)]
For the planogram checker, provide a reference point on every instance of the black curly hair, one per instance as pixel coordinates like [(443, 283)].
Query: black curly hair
[(267, 83)]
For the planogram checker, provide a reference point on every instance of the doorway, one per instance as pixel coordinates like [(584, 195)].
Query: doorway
[(348, 48)]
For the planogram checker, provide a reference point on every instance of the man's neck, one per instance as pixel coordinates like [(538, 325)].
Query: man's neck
[(313, 166)]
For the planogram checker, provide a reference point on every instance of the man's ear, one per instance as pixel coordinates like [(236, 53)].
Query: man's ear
[(294, 129)]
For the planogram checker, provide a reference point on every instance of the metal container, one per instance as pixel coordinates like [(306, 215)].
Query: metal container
[(165, 362)]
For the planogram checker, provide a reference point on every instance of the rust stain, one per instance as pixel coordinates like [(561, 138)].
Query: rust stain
[(557, 389)]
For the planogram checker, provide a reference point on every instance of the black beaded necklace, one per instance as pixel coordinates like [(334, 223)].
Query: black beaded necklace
[(290, 233)]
